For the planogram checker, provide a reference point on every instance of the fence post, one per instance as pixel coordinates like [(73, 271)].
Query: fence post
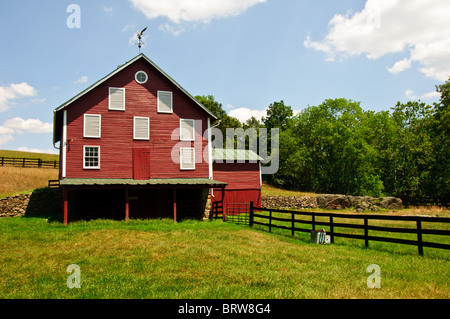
[(293, 224), (270, 221), (252, 212), (419, 236), (2, 160), (331, 230), (313, 222), (23, 162), (366, 232)]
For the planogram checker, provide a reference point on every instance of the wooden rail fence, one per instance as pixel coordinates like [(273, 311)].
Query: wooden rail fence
[(28, 162), (290, 223)]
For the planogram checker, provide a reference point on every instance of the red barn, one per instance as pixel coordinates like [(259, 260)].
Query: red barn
[(241, 170), (135, 144)]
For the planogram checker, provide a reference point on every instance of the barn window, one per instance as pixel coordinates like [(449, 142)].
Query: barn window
[(91, 157), (187, 158), (117, 99), (141, 128), (92, 125), (187, 131), (165, 102), (141, 77)]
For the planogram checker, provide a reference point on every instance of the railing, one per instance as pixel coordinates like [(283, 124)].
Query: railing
[(28, 162), (237, 213), (275, 219)]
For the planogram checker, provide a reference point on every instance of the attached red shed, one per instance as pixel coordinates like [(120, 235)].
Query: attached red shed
[(241, 170)]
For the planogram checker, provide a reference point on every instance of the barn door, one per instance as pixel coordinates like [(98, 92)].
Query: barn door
[(141, 163)]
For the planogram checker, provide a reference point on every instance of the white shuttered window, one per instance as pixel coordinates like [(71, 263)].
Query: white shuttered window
[(165, 102), (92, 125), (117, 99), (141, 128), (187, 130), (187, 158)]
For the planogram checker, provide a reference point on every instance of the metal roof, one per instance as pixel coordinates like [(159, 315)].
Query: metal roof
[(233, 154), (133, 182)]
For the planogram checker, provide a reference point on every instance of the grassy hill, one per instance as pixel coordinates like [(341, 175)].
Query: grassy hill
[(15, 180), (20, 154)]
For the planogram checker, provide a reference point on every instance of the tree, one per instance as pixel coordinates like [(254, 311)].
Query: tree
[(215, 107), (278, 115)]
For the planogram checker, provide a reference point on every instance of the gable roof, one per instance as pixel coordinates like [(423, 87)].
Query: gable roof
[(57, 114)]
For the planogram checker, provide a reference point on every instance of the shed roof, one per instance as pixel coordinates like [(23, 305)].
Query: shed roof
[(233, 155), (133, 182), (57, 117)]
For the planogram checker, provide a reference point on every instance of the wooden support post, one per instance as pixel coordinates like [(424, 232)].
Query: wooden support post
[(65, 205), (127, 206), (175, 205), (223, 207)]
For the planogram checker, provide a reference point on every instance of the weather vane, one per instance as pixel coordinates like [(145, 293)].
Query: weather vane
[(139, 35)]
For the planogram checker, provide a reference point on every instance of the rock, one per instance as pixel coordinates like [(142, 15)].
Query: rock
[(391, 203)]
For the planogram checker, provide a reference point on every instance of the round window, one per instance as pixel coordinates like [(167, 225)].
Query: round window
[(141, 77)]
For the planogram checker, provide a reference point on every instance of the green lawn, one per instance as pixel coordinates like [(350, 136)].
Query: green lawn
[(193, 259)]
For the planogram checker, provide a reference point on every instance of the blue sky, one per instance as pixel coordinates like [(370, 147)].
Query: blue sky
[(247, 53)]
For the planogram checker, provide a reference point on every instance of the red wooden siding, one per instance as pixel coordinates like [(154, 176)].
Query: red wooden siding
[(117, 143), (244, 183)]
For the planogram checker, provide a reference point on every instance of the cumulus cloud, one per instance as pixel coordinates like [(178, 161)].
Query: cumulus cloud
[(189, 11), (14, 91), (418, 28), (244, 113), (18, 125)]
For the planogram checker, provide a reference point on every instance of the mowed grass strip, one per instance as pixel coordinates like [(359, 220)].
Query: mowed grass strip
[(193, 259)]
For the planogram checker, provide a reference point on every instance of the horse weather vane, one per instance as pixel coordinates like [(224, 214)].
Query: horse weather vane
[(139, 35)]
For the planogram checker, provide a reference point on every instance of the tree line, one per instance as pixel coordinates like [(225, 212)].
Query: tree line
[(337, 147)]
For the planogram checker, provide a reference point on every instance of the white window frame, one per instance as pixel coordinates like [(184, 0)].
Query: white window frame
[(84, 157), (181, 130), (171, 102), (181, 158), (109, 100), (99, 126), (134, 128), (136, 78)]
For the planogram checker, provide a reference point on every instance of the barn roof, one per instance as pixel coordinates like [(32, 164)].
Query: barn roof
[(233, 155), (133, 182), (57, 117)]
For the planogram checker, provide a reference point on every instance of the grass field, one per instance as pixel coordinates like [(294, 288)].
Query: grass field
[(192, 259), (16, 180)]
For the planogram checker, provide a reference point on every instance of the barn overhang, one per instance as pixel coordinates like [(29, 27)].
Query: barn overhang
[(172, 182)]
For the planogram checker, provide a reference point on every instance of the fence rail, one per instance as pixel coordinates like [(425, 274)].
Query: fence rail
[(291, 223), (28, 162)]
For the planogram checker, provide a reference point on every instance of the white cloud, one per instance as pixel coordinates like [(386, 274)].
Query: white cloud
[(18, 125), (244, 113), (36, 150), (410, 94), (419, 28), (82, 79), (189, 11), (14, 91), (108, 10), (174, 29)]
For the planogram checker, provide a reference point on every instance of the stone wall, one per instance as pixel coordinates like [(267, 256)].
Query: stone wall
[(334, 202), (41, 203)]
